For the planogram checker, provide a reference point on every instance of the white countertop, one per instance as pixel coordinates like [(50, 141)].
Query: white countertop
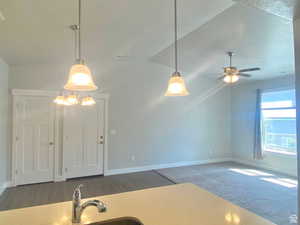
[(182, 204)]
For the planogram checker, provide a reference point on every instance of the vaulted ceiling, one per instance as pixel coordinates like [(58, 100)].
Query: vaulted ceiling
[(36, 32), (258, 39)]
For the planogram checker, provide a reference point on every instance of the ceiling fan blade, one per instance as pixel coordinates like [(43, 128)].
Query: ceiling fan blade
[(250, 69), (244, 75)]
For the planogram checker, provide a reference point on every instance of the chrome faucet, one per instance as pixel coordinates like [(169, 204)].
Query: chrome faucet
[(78, 208)]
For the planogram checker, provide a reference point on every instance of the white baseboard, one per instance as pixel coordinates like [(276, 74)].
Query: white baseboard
[(163, 166), (266, 167), (4, 186), (191, 163), (59, 179)]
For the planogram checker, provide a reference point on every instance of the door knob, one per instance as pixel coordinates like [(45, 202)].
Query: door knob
[(51, 143)]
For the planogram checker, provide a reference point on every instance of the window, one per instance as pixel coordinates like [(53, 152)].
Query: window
[(278, 115)]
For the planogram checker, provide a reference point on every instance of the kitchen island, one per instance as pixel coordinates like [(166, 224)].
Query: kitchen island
[(181, 204)]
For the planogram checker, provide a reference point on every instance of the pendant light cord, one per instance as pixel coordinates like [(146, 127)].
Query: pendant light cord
[(75, 42), (175, 30), (230, 58), (79, 30)]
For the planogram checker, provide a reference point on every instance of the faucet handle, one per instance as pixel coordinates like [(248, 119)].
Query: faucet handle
[(77, 193)]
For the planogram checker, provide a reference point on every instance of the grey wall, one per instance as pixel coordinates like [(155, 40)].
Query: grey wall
[(152, 128), (242, 127), (3, 123)]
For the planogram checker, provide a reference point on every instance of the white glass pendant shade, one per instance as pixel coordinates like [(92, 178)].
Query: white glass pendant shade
[(176, 86), (88, 101), (72, 100), (66, 103), (230, 79), (62, 100), (80, 79), (59, 100)]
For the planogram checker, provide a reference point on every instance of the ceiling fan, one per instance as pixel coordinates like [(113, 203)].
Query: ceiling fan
[(232, 74)]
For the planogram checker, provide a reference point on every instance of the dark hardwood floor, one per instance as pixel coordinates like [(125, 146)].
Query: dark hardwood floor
[(46, 193)]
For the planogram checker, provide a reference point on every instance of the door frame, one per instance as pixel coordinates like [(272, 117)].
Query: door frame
[(59, 173)]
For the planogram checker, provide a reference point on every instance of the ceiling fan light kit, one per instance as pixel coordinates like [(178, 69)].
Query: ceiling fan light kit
[(230, 79), (232, 74)]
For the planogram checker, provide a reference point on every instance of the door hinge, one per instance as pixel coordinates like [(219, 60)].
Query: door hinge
[(66, 170), (16, 171), (17, 138)]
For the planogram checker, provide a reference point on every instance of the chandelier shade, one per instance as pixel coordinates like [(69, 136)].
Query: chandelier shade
[(72, 100), (59, 100), (88, 101)]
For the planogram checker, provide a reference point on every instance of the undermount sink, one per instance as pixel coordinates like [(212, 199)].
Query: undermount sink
[(119, 221)]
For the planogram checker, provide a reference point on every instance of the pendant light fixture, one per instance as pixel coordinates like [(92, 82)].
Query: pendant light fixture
[(88, 101), (176, 85), (72, 99), (80, 78), (60, 100)]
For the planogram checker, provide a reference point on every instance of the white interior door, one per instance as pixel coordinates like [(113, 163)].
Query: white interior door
[(34, 148), (84, 140)]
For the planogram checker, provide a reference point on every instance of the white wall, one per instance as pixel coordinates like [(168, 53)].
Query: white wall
[(242, 127), (152, 128), (4, 165)]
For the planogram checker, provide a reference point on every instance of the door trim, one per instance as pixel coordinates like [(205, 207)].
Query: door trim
[(59, 173)]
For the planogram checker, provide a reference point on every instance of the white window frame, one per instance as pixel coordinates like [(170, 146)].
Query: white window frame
[(262, 120)]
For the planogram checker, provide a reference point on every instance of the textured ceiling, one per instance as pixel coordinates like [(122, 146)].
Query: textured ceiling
[(282, 8)]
